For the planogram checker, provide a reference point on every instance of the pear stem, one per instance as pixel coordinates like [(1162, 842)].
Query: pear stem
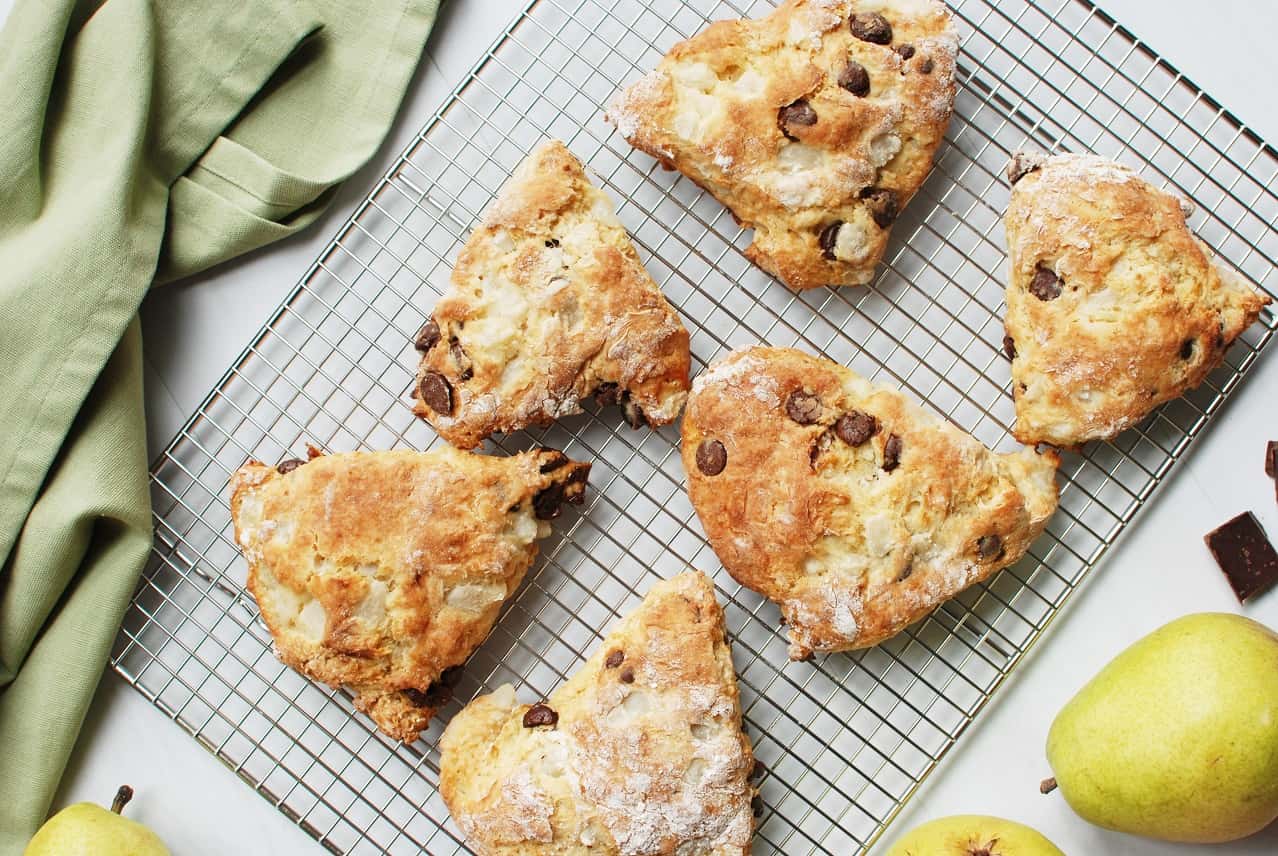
[(1047, 786), (122, 797)]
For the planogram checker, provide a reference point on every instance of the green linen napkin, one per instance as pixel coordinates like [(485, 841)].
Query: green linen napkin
[(140, 141)]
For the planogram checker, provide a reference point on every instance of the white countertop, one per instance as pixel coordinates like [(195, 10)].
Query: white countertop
[(1159, 570)]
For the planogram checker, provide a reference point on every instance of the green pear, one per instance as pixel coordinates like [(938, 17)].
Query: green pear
[(973, 835), (85, 829), (1177, 738)]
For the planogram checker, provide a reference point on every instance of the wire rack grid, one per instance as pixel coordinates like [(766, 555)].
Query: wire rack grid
[(845, 740)]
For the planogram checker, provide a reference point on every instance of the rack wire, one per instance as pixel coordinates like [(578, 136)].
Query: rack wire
[(846, 740)]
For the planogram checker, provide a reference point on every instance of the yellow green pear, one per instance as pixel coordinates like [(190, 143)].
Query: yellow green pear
[(1177, 738), (973, 835), (85, 829)]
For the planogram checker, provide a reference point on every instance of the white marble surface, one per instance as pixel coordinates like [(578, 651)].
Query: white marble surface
[(1159, 571)]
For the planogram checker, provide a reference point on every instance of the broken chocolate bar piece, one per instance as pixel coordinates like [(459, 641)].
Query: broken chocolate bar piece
[(1271, 459), (1245, 555)]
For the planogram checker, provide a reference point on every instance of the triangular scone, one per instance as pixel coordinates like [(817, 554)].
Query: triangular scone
[(382, 571), (852, 507), (814, 125), (1113, 306), (640, 752), (549, 304)]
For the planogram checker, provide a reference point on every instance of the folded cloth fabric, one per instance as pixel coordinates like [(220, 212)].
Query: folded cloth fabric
[(140, 141)]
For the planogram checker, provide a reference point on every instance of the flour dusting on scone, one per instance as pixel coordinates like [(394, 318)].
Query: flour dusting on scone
[(383, 571), (814, 125), (847, 504), (640, 752), (549, 304), (1113, 305)]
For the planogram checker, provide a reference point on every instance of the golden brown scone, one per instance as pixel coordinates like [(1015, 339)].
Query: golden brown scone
[(814, 125), (640, 752), (382, 571), (549, 304), (1113, 306), (850, 506)]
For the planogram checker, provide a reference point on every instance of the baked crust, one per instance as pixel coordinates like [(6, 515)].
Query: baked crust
[(856, 528), (713, 109), (549, 304), (1130, 309), (381, 571), (646, 756)]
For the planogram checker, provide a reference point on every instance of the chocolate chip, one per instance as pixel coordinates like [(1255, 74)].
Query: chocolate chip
[(608, 394), (552, 243), (871, 27), (883, 205), (829, 238), (756, 806), (1186, 349), (803, 407), (757, 771), (627, 675), (1271, 459), (989, 546), (540, 714), (1045, 285), (855, 427), (459, 357), (926, 66), (855, 79), (1009, 347), (556, 460), (1244, 553), (633, 412), (712, 457), (286, 467), (417, 697), (436, 393), (427, 336), (614, 659), (891, 453), (451, 676), (435, 695), (1021, 165), (905, 51), (798, 113)]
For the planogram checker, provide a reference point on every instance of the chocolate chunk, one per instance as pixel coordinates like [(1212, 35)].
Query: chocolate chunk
[(417, 697), (614, 659), (451, 676), (891, 453), (989, 546), (871, 27), (926, 66), (459, 357), (1245, 555), (1186, 349), (798, 113), (552, 243), (1021, 165), (436, 393), (756, 805), (1009, 347), (558, 459), (633, 412), (819, 445), (904, 51), (883, 204), (540, 714), (712, 457), (427, 336), (1271, 459), (1045, 285), (856, 427), (608, 394), (803, 407), (627, 675), (757, 771), (829, 238), (286, 467), (855, 79), (547, 502)]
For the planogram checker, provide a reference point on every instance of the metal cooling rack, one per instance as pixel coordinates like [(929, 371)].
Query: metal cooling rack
[(846, 740)]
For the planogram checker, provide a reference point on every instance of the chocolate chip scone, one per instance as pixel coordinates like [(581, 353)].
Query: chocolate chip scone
[(383, 571), (640, 752), (853, 508), (1113, 306), (549, 304), (814, 125)]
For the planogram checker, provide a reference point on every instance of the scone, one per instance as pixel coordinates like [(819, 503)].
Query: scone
[(850, 506), (814, 125), (382, 571), (549, 304), (640, 752), (1113, 306)]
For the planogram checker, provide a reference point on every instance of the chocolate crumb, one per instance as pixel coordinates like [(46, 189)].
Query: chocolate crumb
[(614, 659), (1245, 555), (905, 51), (540, 714)]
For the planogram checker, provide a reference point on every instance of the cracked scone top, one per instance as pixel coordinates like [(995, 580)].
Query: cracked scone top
[(850, 506), (382, 571), (814, 125), (640, 752), (1113, 306), (549, 304)]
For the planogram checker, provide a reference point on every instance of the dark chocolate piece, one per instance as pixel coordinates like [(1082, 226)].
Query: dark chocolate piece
[(1271, 459), (1245, 555)]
